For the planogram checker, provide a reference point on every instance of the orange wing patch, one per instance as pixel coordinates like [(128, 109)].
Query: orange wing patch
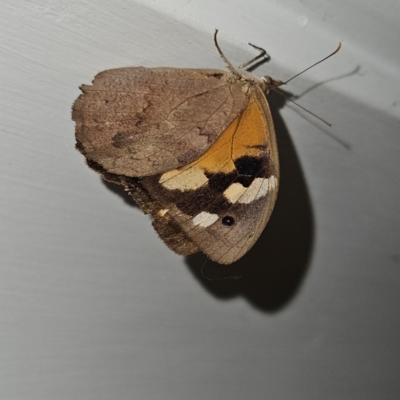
[(246, 136)]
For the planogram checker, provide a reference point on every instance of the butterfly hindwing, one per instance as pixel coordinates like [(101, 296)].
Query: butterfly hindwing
[(223, 200)]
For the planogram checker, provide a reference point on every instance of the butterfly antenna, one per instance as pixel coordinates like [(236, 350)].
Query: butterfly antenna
[(319, 62), (302, 72), (298, 105)]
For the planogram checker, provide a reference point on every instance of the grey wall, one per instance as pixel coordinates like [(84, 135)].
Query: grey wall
[(94, 306)]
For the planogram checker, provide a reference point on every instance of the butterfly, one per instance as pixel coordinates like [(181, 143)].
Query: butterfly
[(195, 148)]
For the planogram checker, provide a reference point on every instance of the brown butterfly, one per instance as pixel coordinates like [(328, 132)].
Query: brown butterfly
[(195, 148)]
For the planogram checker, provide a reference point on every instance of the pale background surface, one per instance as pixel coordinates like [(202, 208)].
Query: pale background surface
[(94, 306)]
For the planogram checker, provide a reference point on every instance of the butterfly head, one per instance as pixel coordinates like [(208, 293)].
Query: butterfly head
[(268, 84)]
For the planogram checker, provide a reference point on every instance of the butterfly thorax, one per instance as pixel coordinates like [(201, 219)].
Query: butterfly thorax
[(265, 83)]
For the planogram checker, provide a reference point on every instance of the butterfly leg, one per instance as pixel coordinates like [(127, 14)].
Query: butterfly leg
[(262, 54)]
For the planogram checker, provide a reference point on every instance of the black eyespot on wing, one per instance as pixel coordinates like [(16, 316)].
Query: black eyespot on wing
[(228, 220)]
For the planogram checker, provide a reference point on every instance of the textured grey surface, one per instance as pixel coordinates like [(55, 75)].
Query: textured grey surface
[(93, 306)]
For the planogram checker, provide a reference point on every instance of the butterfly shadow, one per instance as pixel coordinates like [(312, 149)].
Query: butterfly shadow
[(271, 273)]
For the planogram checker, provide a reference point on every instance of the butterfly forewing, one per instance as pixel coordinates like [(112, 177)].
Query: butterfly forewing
[(142, 121)]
